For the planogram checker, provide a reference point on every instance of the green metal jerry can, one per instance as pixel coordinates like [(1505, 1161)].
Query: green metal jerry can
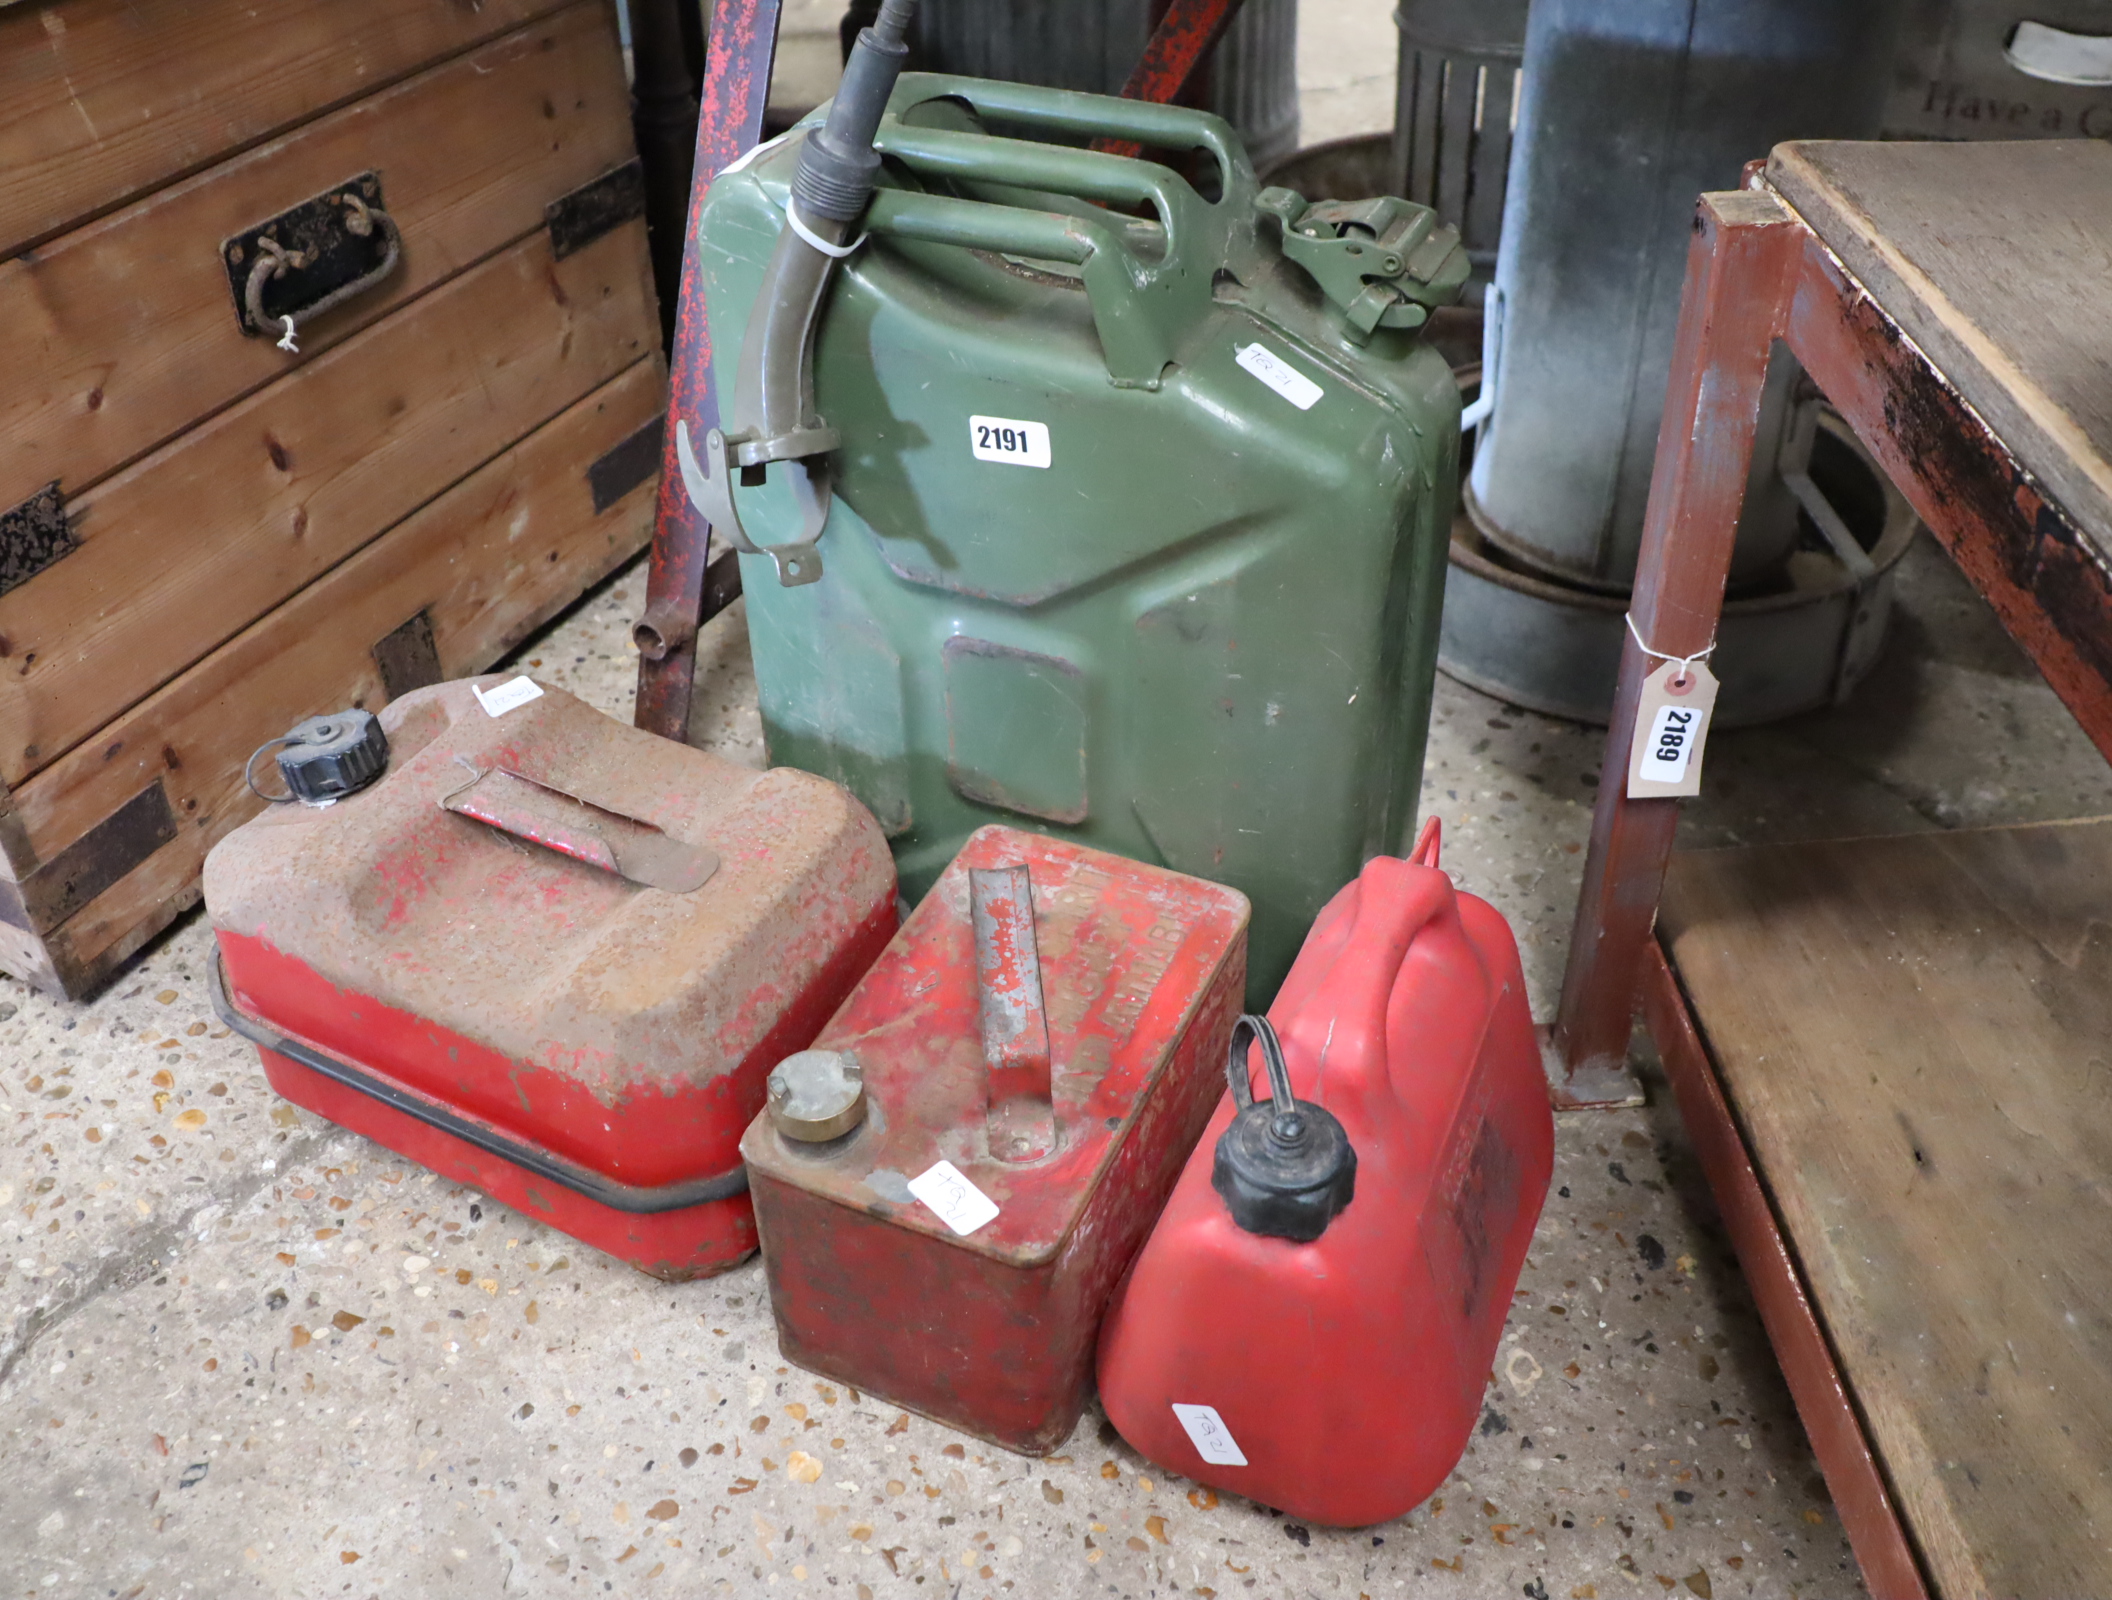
[(1139, 509)]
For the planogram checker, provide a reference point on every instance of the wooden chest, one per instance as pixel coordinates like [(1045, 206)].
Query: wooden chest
[(213, 526)]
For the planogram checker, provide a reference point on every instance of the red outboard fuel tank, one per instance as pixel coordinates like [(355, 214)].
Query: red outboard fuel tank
[(546, 954), (1313, 1320)]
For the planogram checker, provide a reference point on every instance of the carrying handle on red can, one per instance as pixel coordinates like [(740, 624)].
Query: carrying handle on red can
[(1425, 852), (572, 825)]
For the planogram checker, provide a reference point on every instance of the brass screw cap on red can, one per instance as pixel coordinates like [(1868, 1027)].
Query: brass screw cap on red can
[(817, 1095), (1285, 1167)]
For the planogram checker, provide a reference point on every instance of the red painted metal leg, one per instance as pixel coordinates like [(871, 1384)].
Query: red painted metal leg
[(1740, 270), (1175, 49), (1177, 46), (2018, 548), (1853, 1475), (743, 44)]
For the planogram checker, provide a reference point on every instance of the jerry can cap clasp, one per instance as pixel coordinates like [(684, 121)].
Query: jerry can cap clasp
[(1285, 1167), (1385, 262)]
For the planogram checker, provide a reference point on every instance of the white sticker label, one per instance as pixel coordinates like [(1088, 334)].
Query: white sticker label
[(1281, 376), (507, 696), (957, 1202), (1207, 1432), (1674, 736), (1007, 439)]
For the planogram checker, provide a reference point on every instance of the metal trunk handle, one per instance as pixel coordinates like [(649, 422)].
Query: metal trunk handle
[(320, 253)]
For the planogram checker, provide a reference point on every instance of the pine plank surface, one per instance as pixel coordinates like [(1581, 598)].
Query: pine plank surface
[(124, 332), (1915, 1035), (488, 562), (102, 100), (185, 549), (1996, 259)]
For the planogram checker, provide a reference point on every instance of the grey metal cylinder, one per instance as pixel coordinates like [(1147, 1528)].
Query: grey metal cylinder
[(1455, 94), (1093, 45), (1630, 109)]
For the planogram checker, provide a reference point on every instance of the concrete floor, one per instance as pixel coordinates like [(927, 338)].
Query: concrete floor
[(242, 1353)]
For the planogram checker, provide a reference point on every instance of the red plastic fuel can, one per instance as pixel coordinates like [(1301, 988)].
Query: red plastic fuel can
[(951, 1181), (553, 957), (1312, 1322)]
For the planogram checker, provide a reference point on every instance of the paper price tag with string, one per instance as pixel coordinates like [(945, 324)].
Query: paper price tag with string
[(1671, 724)]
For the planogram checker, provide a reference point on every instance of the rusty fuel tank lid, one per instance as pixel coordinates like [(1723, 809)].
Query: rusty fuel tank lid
[(817, 1095)]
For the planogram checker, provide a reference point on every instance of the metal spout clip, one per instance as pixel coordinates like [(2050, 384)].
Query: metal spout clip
[(711, 492)]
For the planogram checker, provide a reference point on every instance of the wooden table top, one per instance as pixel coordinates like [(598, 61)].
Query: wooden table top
[(1915, 1035), (1996, 259)]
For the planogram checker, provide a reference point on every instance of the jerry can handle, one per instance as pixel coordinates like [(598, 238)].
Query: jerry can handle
[(1018, 1069), (1075, 113), (1138, 307), (1136, 332), (1056, 169)]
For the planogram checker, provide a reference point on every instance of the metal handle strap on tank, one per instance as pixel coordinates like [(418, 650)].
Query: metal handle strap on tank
[(566, 1174), (580, 828), (1686, 663), (1018, 1068)]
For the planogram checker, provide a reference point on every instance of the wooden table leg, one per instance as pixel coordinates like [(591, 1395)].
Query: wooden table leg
[(1740, 273), (743, 43)]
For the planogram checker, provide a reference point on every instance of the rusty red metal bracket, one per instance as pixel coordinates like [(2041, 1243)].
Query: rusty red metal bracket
[(1175, 49), (680, 590)]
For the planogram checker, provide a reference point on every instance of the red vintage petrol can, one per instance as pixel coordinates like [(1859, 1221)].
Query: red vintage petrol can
[(553, 957), (1035, 1055), (1312, 1322)]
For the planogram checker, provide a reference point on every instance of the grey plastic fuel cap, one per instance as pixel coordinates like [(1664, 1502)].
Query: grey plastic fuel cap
[(817, 1095)]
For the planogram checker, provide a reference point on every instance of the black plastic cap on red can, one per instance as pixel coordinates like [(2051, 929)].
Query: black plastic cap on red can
[(1285, 1168), (327, 758)]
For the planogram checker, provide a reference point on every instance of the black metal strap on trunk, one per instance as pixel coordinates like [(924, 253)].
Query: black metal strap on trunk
[(595, 1186)]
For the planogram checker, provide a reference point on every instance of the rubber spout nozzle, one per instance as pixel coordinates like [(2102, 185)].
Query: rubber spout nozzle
[(838, 165)]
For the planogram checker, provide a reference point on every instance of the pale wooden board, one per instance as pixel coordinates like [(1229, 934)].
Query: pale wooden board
[(489, 561), (102, 100), (124, 332), (1916, 1037), (1996, 259), (183, 550)]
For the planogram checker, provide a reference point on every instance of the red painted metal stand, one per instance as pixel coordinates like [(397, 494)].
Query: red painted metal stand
[(1756, 272), (683, 588), (681, 591)]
